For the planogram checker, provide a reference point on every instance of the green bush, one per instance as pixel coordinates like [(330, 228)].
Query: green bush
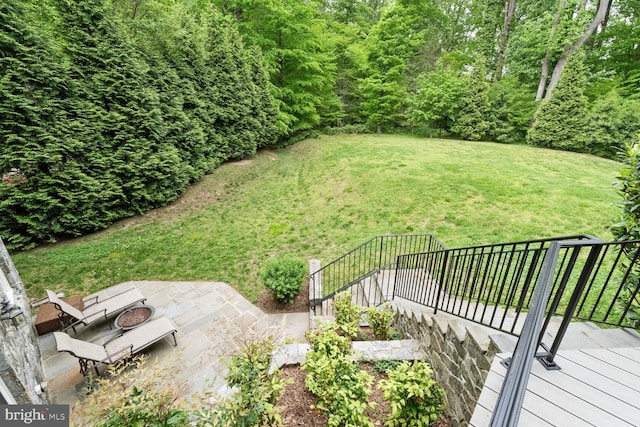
[(347, 314), (628, 228), (284, 277), (416, 399), (385, 365), (134, 393), (258, 388), (336, 379), (380, 319)]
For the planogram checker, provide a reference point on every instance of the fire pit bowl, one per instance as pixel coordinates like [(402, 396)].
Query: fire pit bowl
[(134, 317)]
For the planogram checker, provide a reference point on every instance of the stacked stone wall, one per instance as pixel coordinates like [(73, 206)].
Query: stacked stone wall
[(20, 362), (459, 358)]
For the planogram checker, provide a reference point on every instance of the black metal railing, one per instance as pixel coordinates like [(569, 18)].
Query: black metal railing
[(489, 284), (605, 291), (361, 262), (371, 290), (493, 284), (517, 288)]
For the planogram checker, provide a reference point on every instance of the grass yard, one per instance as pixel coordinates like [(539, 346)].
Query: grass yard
[(322, 197)]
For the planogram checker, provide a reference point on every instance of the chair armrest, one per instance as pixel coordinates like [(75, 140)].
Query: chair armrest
[(87, 301), (120, 354), (117, 333), (80, 321), (70, 325)]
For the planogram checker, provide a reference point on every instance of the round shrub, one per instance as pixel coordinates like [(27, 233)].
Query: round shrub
[(416, 398), (284, 277)]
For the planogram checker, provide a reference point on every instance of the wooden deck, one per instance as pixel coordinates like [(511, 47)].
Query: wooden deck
[(594, 387)]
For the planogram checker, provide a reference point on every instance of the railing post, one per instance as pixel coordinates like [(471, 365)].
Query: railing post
[(443, 274), (547, 359), (313, 290)]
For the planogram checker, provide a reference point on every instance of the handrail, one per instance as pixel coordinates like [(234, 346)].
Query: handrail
[(358, 263), (372, 295), (507, 409), (509, 403), (494, 285)]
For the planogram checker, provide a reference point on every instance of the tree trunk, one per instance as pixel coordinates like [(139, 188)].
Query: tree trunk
[(544, 74), (509, 10), (603, 28), (603, 6)]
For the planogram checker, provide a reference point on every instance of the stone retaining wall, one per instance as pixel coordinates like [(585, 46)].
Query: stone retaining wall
[(460, 358)]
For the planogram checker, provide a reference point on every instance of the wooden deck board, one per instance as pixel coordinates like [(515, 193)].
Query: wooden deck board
[(482, 415), (598, 387), (623, 392), (629, 353), (593, 360)]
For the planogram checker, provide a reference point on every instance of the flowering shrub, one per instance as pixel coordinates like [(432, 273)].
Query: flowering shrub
[(380, 319), (257, 389), (134, 393)]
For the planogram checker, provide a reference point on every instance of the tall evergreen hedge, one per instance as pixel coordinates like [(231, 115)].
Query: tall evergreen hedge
[(98, 124)]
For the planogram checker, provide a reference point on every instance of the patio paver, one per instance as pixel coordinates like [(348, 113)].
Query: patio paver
[(213, 321)]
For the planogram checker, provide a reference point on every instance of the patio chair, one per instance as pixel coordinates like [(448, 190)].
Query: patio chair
[(92, 355), (94, 308)]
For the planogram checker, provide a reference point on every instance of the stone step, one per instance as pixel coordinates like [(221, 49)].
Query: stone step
[(449, 323), (372, 293), (293, 354), (386, 280)]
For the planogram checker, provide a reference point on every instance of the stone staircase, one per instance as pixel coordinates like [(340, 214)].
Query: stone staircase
[(375, 292), (461, 350)]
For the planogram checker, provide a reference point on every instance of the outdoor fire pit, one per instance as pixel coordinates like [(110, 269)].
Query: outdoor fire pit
[(134, 317)]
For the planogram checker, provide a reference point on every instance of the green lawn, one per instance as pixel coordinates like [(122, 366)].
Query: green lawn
[(322, 197)]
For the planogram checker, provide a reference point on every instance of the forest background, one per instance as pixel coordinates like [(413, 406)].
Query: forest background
[(110, 108)]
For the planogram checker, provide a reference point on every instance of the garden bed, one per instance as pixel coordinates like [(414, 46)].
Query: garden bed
[(297, 404)]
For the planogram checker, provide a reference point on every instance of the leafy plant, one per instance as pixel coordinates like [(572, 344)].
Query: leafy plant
[(385, 365), (284, 277), (395, 334), (258, 387), (380, 319), (628, 228), (347, 314), (133, 393), (416, 399), (336, 379)]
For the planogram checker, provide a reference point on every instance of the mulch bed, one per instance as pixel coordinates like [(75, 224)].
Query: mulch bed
[(300, 303), (296, 403)]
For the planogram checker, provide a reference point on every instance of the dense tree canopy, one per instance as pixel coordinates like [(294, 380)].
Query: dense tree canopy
[(109, 108)]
